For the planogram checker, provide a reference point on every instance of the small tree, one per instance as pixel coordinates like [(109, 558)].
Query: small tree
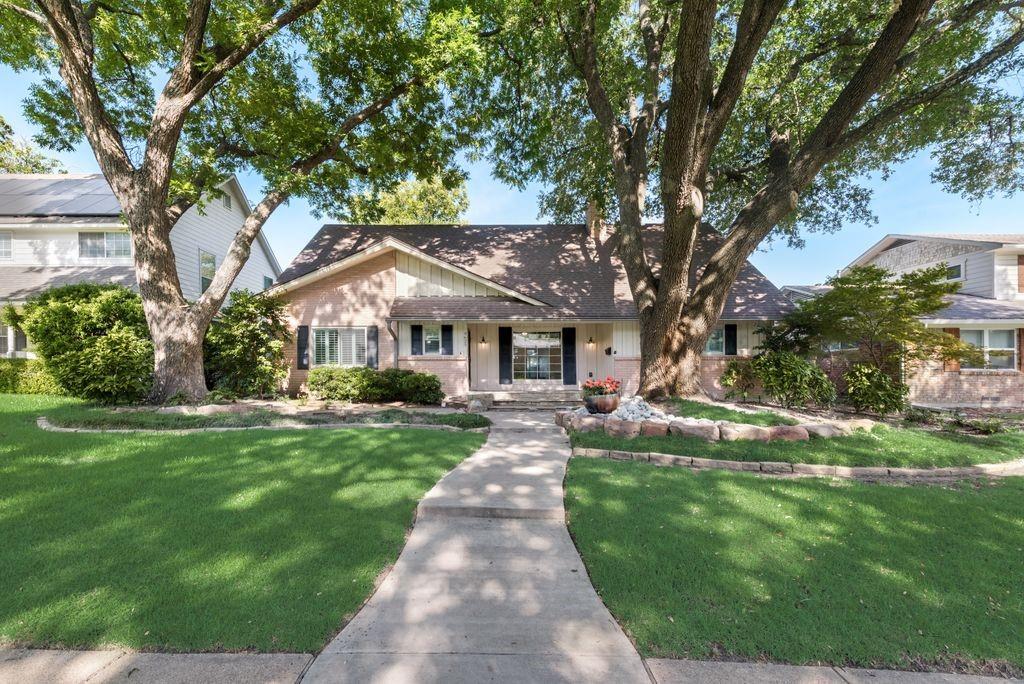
[(245, 346), (435, 200), (21, 156), (879, 313)]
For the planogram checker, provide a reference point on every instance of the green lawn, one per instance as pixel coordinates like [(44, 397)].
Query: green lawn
[(883, 446), (77, 414), (701, 409), (729, 565), (223, 541)]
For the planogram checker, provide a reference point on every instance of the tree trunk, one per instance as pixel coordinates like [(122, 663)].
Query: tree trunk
[(177, 358), (670, 356)]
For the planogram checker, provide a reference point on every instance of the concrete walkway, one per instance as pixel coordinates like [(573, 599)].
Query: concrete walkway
[(489, 586)]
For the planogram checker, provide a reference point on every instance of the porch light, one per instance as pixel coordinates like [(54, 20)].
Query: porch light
[(590, 342), (483, 340)]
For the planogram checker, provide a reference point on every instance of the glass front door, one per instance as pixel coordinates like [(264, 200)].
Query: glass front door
[(536, 356)]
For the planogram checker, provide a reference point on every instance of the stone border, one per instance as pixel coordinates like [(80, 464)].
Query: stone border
[(44, 424), (1008, 469)]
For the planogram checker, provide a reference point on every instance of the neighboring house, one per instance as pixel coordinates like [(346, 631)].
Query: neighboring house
[(67, 228), (801, 293), (988, 312), (489, 308)]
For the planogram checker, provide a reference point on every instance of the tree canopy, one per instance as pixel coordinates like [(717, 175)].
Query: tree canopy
[(21, 156), (434, 200)]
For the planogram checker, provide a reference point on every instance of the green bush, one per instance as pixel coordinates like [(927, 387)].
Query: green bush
[(792, 380), (870, 389), (740, 378), (421, 388), (391, 381), (26, 376), (244, 347), (92, 339)]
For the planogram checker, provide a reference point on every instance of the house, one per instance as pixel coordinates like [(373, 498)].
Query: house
[(988, 312), (67, 228), (490, 309)]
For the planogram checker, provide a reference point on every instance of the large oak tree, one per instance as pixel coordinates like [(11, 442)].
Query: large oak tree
[(323, 99), (754, 117)]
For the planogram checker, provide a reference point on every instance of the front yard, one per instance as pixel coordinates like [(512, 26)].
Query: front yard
[(729, 565), (261, 540)]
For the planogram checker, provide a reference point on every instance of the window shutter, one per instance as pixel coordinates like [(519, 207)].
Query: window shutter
[(1020, 349), (730, 339), (505, 356), (568, 356), (416, 340), (447, 344), (371, 346), (952, 365), (302, 347)]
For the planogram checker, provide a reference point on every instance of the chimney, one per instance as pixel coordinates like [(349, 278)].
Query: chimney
[(595, 221)]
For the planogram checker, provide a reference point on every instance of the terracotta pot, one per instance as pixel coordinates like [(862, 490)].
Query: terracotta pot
[(604, 403)]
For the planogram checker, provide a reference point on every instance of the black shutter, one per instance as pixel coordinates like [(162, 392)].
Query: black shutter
[(447, 345), (371, 346), (505, 356), (730, 340), (416, 340), (568, 356), (302, 347)]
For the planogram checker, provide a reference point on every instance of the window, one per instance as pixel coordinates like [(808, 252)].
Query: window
[(999, 346), (207, 269), (339, 346), (20, 341), (113, 245), (536, 355), (227, 201), (954, 272), (3, 339), (716, 342), (6, 245), (268, 282), (431, 339), (841, 346)]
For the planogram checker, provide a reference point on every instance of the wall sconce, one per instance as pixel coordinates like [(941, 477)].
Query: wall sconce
[(483, 340), (590, 342)]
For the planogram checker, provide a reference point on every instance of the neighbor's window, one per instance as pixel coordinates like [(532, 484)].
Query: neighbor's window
[(431, 339), (207, 269), (110, 245), (999, 346), (6, 245), (716, 343), (339, 346), (268, 282), (955, 272), (227, 201), (3, 339)]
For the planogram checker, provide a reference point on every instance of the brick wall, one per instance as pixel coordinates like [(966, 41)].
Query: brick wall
[(627, 371), (931, 385), (358, 296), (452, 371)]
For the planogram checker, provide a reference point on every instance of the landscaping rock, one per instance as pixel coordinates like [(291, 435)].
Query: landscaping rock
[(776, 467), (722, 465), (705, 430), (621, 455), (814, 469), (654, 428), (617, 427), (587, 423), (563, 418), (635, 408), (731, 432), (822, 430), (476, 406), (860, 424), (789, 433), (590, 453), (670, 459)]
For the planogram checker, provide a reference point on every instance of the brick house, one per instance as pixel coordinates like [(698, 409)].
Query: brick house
[(490, 309), (988, 312)]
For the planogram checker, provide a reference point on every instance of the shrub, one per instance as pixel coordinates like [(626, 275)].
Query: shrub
[(740, 378), (361, 384), (244, 347), (26, 376), (871, 389), (792, 380), (464, 421), (422, 388), (92, 339), (391, 381)]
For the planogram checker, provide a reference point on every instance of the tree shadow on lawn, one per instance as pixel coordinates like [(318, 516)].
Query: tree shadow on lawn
[(219, 541), (729, 565)]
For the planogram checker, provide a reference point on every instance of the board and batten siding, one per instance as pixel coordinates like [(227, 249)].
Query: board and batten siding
[(419, 278), (626, 338)]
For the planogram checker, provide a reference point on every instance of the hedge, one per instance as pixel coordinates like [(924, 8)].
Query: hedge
[(366, 385), (26, 376)]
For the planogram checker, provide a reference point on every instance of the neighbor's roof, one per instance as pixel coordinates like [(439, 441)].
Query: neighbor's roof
[(18, 283), (804, 292), (963, 307), (983, 241), (560, 265)]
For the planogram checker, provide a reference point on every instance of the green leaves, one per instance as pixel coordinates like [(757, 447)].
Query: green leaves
[(435, 200)]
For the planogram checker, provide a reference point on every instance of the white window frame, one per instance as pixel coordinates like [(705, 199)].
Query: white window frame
[(109, 251), (431, 328), (338, 352), (987, 349), (7, 255), (717, 333), (202, 253), (227, 200), (5, 346)]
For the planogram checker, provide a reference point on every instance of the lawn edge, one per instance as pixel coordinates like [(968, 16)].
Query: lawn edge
[(43, 423)]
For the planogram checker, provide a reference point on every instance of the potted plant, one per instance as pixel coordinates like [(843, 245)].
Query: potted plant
[(601, 396)]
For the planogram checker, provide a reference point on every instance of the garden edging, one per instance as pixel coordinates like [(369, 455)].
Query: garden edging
[(45, 424), (1008, 469)]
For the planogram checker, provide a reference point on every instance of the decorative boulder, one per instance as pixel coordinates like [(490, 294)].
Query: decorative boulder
[(861, 424), (789, 433), (617, 427), (730, 432), (690, 428), (563, 418), (654, 428), (587, 423), (822, 429), (476, 406)]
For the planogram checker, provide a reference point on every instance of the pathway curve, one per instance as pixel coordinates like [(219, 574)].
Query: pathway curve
[(489, 586)]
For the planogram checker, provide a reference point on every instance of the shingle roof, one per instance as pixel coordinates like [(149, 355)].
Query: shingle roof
[(18, 283), (963, 307), (37, 195), (1003, 238), (558, 264)]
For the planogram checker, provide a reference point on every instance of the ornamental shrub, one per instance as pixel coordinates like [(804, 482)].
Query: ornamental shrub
[(391, 381), (26, 376), (869, 388), (422, 388), (244, 347), (92, 339), (361, 384), (740, 378), (792, 380)]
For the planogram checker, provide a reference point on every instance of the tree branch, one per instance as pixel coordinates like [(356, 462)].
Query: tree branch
[(26, 13)]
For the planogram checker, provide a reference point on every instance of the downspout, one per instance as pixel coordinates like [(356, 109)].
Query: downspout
[(394, 338)]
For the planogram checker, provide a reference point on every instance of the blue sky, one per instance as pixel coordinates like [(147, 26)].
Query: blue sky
[(905, 203)]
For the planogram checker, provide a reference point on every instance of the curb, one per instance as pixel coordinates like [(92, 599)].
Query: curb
[(43, 424), (1008, 469)]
